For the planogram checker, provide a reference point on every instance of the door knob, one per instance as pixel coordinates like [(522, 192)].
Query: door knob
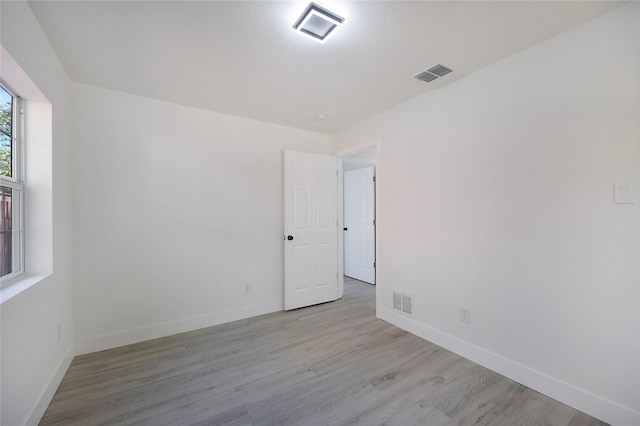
[(289, 237)]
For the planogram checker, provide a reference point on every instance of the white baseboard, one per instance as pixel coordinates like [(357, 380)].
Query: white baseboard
[(47, 394), (128, 337), (566, 393)]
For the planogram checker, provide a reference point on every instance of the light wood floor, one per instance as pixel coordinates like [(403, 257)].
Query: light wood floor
[(330, 364)]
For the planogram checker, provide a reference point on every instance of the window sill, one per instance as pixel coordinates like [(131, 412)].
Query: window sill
[(17, 286)]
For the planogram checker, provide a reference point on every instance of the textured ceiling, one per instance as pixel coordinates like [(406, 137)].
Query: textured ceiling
[(243, 58)]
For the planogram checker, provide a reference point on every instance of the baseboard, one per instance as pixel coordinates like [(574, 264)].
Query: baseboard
[(566, 393), (128, 337), (47, 395)]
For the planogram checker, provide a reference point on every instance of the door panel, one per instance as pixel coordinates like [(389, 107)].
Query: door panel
[(310, 217), (323, 252), (301, 274), (300, 206)]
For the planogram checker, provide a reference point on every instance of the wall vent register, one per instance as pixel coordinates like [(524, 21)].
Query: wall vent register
[(403, 302)]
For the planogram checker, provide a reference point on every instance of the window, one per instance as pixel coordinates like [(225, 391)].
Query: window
[(11, 187)]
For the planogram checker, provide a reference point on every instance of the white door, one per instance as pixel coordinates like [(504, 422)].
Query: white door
[(359, 216), (310, 229)]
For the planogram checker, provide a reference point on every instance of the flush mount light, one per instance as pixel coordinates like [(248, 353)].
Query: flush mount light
[(317, 22)]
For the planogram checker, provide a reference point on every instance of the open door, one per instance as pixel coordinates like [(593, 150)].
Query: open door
[(359, 224), (310, 229)]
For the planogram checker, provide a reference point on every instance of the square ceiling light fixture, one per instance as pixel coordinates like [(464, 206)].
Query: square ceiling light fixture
[(317, 22)]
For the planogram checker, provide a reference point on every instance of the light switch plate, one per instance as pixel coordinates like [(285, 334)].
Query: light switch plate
[(624, 192)]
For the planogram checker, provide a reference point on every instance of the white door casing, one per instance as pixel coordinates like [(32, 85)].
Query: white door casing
[(310, 229), (359, 217)]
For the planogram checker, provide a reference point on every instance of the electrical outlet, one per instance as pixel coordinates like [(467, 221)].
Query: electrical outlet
[(247, 288), (59, 332), (465, 315)]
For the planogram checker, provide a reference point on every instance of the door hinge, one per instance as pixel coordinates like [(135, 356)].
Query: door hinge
[(374, 222), (374, 178), (374, 264)]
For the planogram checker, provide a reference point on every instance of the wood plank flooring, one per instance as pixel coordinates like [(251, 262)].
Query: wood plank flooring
[(330, 364)]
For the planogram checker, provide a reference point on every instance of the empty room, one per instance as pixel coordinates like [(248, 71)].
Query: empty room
[(319, 213)]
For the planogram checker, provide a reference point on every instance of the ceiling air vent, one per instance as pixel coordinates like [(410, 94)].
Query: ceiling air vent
[(433, 73)]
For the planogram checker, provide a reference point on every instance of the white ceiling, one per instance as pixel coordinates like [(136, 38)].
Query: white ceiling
[(244, 58)]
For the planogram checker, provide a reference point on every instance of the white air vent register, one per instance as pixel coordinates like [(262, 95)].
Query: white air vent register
[(433, 73), (403, 302)]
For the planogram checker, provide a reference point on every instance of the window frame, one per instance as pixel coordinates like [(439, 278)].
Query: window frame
[(16, 183)]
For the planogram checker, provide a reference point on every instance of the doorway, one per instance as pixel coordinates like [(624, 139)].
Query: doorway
[(359, 218)]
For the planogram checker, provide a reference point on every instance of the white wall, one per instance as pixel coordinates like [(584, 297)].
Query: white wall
[(495, 194), (175, 209), (32, 360)]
